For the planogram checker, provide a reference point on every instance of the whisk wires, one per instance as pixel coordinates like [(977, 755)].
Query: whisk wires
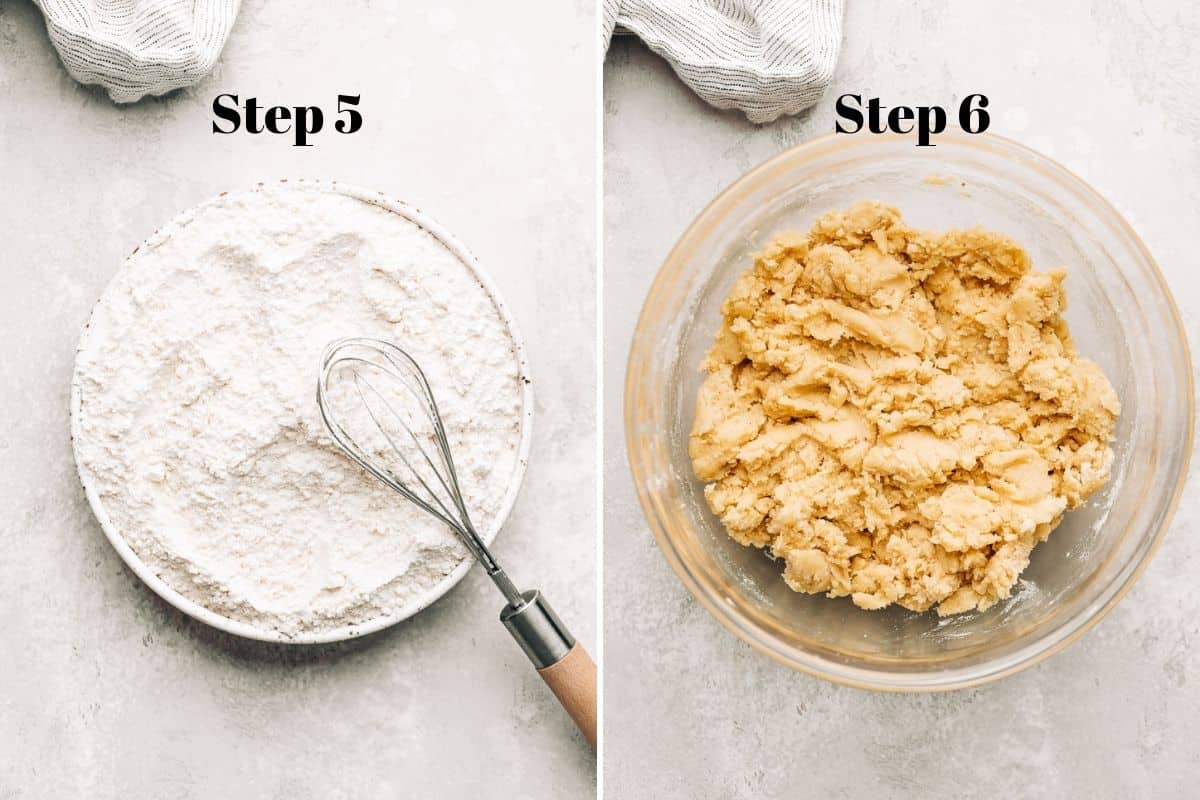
[(405, 434)]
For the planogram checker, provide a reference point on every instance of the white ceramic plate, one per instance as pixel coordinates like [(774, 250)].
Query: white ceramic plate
[(216, 620)]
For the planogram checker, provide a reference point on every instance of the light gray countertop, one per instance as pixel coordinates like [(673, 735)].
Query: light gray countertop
[(484, 117), (1109, 90)]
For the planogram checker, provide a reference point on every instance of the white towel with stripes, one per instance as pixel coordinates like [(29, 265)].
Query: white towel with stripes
[(764, 57), (138, 47)]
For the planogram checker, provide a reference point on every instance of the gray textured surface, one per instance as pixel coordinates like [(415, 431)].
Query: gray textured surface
[(1107, 88), (105, 691)]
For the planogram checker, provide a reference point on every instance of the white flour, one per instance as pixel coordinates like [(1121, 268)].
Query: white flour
[(198, 425)]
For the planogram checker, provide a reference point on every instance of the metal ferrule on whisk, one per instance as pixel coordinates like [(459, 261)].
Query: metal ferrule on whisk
[(537, 629)]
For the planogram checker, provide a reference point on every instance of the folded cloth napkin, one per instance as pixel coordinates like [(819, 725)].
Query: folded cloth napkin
[(138, 47), (763, 57)]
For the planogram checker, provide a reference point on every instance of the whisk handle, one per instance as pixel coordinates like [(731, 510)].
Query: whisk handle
[(561, 661), (573, 681)]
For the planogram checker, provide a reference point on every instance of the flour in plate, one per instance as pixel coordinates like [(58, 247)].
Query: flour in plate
[(199, 433)]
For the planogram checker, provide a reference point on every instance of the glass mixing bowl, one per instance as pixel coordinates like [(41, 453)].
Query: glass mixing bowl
[(1121, 315)]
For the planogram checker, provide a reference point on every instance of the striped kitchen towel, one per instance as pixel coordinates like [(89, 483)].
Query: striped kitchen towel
[(764, 57), (138, 47)]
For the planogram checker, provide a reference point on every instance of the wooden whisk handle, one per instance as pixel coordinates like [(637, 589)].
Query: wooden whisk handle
[(573, 681)]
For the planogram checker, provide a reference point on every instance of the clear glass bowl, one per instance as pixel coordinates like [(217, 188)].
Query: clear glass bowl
[(1121, 315)]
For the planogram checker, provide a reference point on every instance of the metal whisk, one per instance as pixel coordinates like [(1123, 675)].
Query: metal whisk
[(403, 444)]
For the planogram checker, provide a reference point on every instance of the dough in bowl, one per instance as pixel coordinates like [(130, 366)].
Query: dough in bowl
[(899, 415)]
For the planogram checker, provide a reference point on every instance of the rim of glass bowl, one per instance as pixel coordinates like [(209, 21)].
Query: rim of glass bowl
[(660, 517)]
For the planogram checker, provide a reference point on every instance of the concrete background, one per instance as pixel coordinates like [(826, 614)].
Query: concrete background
[(1107, 88), (483, 115)]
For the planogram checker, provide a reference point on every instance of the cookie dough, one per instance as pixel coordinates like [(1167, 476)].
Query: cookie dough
[(899, 415)]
